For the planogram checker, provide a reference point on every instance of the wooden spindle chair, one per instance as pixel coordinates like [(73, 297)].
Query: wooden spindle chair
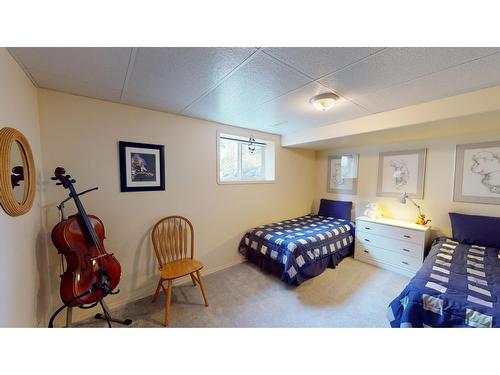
[(173, 242)]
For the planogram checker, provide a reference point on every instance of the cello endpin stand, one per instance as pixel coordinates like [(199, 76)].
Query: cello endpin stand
[(107, 316)]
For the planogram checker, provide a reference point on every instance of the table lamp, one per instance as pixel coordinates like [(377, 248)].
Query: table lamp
[(420, 217)]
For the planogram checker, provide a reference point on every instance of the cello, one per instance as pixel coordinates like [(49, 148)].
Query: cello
[(91, 273)]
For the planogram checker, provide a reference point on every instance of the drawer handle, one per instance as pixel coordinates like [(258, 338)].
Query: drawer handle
[(406, 250), (368, 228), (367, 240), (406, 236), (404, 262)]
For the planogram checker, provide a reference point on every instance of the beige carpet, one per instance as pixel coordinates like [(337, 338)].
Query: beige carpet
[(354, 294)]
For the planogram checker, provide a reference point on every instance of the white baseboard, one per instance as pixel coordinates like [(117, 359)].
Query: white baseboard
[(145, 291)]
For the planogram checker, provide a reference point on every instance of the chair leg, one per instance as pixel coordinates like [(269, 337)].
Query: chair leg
[(167, 303), (192, 278), (202, 287), (157, 291)]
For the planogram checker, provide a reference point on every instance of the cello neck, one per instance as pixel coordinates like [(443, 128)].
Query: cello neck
[(85, 218)]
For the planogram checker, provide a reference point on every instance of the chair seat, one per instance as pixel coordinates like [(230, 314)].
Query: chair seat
[(179, 268)]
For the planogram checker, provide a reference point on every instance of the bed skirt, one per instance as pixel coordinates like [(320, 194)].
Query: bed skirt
[(276, 268)]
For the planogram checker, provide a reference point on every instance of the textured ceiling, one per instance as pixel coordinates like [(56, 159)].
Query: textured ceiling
[(266, 89)]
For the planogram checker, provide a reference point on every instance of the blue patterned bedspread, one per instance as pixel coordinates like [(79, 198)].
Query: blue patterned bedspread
[(302, 243), (457, 286)]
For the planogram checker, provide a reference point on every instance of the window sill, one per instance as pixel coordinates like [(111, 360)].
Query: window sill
[(245, 182)]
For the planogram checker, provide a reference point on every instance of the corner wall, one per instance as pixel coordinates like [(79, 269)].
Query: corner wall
[(23, 257), (82, 135)]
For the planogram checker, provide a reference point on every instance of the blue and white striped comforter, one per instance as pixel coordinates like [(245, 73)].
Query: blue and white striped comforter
[(457, 286), (300, 242)]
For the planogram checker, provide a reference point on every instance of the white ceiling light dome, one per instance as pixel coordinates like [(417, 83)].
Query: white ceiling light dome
[(323, 102)]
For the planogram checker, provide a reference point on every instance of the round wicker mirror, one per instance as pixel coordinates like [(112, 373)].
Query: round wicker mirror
[(17, 173)]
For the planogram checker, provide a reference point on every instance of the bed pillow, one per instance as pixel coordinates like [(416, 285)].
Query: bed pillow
[(476, 230), (337, 209)]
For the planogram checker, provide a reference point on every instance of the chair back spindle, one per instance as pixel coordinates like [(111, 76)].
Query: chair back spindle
[(173, 239)]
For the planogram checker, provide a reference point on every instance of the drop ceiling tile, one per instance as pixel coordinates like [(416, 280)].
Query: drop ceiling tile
[(293, 112), (472, 76), (172, 78), (258, 81), (156, 104), (60, 83), (317, 62), (104, 67), (393, 66)]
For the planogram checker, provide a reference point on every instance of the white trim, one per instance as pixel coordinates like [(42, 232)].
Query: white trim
[(269, 160), (243, 182)]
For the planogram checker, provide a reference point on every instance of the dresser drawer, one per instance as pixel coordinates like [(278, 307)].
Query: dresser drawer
[(376, 255), (398, 233), (401, 247)]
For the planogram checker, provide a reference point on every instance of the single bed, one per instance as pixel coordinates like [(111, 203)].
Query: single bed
[(458, 286), (300, 248)]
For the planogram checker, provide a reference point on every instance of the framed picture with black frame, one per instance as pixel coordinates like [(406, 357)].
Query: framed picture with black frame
[(142, 166)]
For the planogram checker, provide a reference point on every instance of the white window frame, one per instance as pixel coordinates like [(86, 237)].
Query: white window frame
[(269, 160)]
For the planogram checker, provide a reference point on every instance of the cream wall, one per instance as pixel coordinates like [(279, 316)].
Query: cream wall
[(82, 135), (439, 176), (23, 258)]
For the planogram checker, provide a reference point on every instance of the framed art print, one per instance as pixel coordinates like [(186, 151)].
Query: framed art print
[(401, 171), (477, 173), (342, 174), (142, 166)]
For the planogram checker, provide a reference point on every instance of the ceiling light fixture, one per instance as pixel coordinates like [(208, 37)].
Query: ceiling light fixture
[(323, 102)]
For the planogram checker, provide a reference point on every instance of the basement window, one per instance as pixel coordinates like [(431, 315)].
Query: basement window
[(244, 159)]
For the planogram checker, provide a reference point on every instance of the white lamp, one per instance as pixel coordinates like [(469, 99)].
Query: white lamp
[(402, 199), (420, 217)]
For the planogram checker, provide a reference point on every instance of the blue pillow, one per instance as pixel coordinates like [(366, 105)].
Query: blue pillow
[(476, 230), (337, 209)]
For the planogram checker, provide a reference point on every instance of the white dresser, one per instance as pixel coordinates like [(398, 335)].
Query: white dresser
[(392, 244)]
